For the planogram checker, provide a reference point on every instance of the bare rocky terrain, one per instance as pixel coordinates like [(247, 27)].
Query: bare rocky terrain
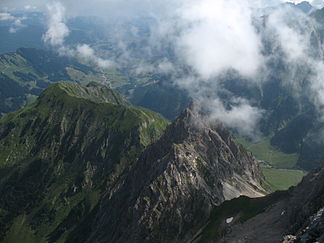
[(177, 181), (297, 218)]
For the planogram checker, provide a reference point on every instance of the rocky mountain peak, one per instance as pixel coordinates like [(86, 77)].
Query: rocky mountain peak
[(170, 192)]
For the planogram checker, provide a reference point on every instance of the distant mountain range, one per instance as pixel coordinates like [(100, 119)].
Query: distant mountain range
[(27, 72)]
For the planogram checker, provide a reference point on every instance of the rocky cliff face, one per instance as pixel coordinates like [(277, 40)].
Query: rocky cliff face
[(312, 231), (176, 182), (298, 217)]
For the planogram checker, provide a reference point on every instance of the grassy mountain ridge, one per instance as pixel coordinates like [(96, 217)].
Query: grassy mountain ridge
[(60, 154)]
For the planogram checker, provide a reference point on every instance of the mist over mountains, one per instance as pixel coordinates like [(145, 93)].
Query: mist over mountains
[(223, 54), (85, 156), (197, 49)]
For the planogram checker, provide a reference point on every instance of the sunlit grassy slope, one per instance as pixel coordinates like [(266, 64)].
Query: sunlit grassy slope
[(279, 169), (263, 150), (282, 179)]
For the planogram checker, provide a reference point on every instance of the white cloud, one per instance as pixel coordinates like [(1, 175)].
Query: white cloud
[(295, 1), (16, 22), (57, 32), (57, 29), (30, 7), (220, 37), (317, 87), (287, 26), (213, 38), (240, 116), (17, 25), (210, 36), (317, 3), (165, 67), (6, 17), (87, 54), (296, 34)]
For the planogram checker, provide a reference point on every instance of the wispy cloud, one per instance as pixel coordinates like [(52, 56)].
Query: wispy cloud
[(16, 23), (239, 115), (198, 42), (57, 31), (6, 17), (30, 8), (220, 36), (317, 3), (85, 52)]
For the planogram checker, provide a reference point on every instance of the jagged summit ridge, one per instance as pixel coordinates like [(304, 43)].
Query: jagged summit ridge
[(170, 192)]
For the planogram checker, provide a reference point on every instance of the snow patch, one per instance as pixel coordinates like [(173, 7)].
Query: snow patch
[(229, 220)]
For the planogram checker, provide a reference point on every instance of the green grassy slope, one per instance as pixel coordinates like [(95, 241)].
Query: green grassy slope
[(282, 179), (61, 154), (278, 168), (263, 150)]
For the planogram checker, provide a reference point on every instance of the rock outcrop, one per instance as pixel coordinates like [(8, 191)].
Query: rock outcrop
[(176, 182), (82, 165), (296, 218)]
